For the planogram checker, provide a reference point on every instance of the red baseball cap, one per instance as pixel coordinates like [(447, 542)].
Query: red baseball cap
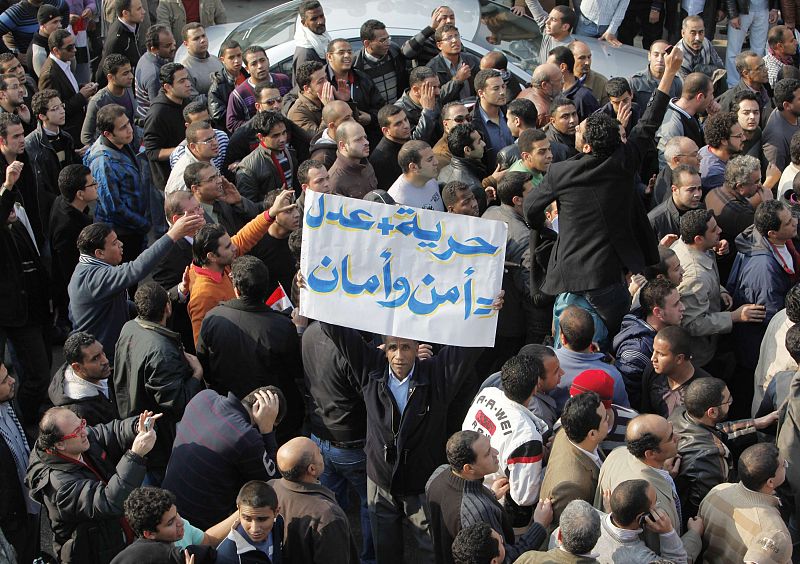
[(596, 381)]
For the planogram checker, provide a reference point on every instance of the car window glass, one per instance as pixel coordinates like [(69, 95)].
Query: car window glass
[(519, 38), (269, 29)]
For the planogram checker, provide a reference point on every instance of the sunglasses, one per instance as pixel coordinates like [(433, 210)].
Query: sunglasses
[(76, 433)]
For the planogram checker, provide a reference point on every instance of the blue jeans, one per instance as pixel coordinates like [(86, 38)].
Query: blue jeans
[(758, 24), (589, 28), (345, 466)]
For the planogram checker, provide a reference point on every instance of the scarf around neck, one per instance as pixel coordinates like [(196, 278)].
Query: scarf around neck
[(304, 37)]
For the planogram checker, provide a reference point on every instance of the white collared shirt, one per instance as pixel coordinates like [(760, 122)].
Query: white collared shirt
[(592, 455), (67, 70), (132, 28)]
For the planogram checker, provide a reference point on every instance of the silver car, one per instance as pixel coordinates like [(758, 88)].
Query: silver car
[(484, 25)]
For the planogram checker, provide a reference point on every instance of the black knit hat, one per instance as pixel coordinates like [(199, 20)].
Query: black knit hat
[(46, 13)]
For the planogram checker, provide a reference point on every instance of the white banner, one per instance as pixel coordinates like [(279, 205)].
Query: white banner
[(401, 271)]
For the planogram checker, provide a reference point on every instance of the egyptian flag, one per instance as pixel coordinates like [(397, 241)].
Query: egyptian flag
[(279, 301)]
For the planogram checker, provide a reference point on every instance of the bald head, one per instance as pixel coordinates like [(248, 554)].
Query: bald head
[(336, 112), (650, 438), (647, 423), (300, 460), (494, 60), (545, 72)]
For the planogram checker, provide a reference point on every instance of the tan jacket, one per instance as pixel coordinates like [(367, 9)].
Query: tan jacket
[(620, 466), (701, 294), (570, 475), (171, 14)]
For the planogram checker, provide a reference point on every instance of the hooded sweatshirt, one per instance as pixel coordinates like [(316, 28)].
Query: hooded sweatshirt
[(632, 348)]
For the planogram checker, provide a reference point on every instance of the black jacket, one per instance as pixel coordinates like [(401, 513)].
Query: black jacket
[(244, 140), (244, 344), (96, 409), (53, 77), (335, 404), (66, 224), (151, 373), (469, 171), (13, 509), (384, 160), (323, 151), (364, 96), (451, 88), (123, 41), (221, 87), (735, 7), (599, 238), (85, 503), (665, 218), (425, 124), (417, 436), (169, 273), (257, 175), (393, 61), (163, 128)]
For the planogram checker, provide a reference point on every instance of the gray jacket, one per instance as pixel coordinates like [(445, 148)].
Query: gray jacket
[(103, 98), (617, 546)]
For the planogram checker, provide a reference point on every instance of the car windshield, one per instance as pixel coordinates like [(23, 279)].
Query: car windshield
[(517, 37), (270, 28)]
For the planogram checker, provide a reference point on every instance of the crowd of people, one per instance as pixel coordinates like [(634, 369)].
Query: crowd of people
[(640, 403)]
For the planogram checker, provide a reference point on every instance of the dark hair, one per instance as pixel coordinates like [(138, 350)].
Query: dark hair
[(173, 203), (439, 34), (512, 185), (306, 166), (451, 190), (717, 128), (757, 464), (194, 129), (145, 507), (784, 91), (253, 49), (93, 238), (641, 444), (743, 95), (192, 108), (257, 494), (792, 342), (56, 39), (525, 110), (228, 44), (629, 500), (577, 327), (4, 78), (151, 301), (167, 72), (6, 58), (694, 223), (495, 60), (695, 83), (261, 86), (601, 132), (411, 152), (475, 545), (122, 6), (191, 26), (459, 449), (191, 174), (305, 71), (7, 119), (270, 197), (295, 243), (655, 294), (113, 62), (459, 138), (580, 416), (519, 376), (386, 112), (617, 86), (368, 29), (306, 6), (678, 172), (250, 400), (767, 216), (562, 56), (703, 394), (250, 278), (71, 179), (528, 137), (483, 76), (652, 271), (41, 100), (678, 338), (206, 241), (794, 148), (568, 15), (793, 303), (49, 433), (107, 115), (776, 35), (74, 345), (420, 74), (558, 102), (152, 36), (334, 42), (265, 122)]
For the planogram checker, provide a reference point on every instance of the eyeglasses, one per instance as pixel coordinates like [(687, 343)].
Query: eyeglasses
[(70, 47), (730, 401), (451, 38), (738, 135), (92, 185), (384, 40), (207, 141), (76, 433), (216, 176)]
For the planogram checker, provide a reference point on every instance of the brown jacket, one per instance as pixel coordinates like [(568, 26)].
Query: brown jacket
[(570, 475), (307, 114), (316, 528), (554, 556), (352, 180)]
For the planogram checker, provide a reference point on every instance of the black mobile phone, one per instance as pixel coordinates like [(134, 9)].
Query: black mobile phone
[(669, 49), (643, 519)]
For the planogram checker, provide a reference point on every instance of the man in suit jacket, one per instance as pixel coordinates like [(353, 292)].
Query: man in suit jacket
[(56, 74), (651, 447), (603, 228), (574, 465), (121, 37), (172, 271)]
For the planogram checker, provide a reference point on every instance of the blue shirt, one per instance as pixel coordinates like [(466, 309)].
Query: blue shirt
[(235, 544), (499, 135), (400, 389)]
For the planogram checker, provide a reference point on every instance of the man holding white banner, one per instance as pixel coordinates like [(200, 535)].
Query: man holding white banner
[(449, 264)]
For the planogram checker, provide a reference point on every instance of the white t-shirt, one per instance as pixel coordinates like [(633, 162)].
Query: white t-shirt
[(426, 197)]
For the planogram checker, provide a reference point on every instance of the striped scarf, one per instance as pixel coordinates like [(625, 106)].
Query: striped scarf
[(14, 442)]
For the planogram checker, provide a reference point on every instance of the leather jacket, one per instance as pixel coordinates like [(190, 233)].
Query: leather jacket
[(471, 173)]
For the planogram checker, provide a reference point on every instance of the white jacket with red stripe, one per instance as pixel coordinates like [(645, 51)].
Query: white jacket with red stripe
[(516, 433)]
